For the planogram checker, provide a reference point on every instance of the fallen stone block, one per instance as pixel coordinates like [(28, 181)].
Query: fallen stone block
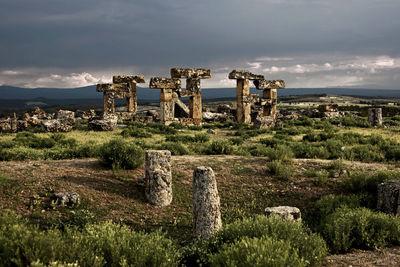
[(67, 199), (286, 212)]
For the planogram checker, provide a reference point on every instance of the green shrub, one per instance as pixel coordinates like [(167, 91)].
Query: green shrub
[(134, 131), (360, 228), (236, 141), (107, 244), (310, 247), (197, 138), (328, 204), (259, 150), (283, 172), (21, 153), (220, 147), (351, 121), (62, 140), (175, 148), (307, 150), (120, 154), (160, 128), (393, 153), (280, 152), (264, 251)]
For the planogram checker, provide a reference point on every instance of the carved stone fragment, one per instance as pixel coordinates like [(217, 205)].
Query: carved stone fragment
[(375, 116), (158, 177), (389, 197), (206, 203)]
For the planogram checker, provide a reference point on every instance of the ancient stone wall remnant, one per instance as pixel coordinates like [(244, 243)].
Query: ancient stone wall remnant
[(168, 96), (131, 96), (193, 89), (270, 95), (206, 203), (389, 197), (112, 91), (375, 116), (158, 177), (244, 101)]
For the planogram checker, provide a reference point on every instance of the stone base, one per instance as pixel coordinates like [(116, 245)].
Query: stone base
[(389, 197), (286, 212)]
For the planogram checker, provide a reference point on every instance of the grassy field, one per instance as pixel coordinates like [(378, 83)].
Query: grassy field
[(307, 163)]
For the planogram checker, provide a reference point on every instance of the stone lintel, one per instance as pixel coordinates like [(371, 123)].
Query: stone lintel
[(110, 87), (190, 73), (165, 83), (262, 84), (244, 75), (128, 79)]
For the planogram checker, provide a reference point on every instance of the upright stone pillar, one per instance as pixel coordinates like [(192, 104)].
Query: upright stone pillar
[(131, 97), (158, 177), (389, 197), (270, 95), (206, 203), (193, 89), (112, 91), (375, 116), (168, 94), (242, 77)]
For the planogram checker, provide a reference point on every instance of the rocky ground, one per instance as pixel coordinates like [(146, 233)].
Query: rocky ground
[(243, 183)]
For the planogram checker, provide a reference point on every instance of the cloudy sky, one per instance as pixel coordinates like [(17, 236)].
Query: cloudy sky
[(308, 43)]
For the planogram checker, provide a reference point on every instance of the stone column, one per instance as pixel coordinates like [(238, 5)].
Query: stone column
[(270, 95), (375, 116), (111, 91), (195, 105), (158, 177), (243, 103), (243, 111), (389, 197), (206, 203), (131, 96), (193, 90), (168, 94)]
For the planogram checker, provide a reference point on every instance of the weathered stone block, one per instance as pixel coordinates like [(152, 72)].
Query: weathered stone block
[(375, 116), (128, 79), (67, 199), (65, 114), (244, 75), (158, 177), (286, 212), (264, 122), (55, 126), (269, 84), (165, 83), (389, 197), (107, 87), (206, 203), (188, 73)]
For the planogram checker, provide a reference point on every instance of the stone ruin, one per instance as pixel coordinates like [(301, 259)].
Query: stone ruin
[(171, 91), (123, 86), (388, 199), (375, 116), (245, 100), (329, 111)]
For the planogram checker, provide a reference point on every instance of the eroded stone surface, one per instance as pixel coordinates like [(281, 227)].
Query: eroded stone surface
[(269, 84), (286, 212), (244, 75), (55, 126), (206, 203), (158, 177), (389, 197), (67, 199), (375, 116), (128, 79), (106, 87), (264, 122), (186, 73), (165, 83)]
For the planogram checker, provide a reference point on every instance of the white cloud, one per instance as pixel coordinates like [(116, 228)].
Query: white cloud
[(10, 72), (254, 65), (266, 59), (68, 81)]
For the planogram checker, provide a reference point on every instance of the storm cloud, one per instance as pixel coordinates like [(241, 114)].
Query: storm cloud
[(309, 43)]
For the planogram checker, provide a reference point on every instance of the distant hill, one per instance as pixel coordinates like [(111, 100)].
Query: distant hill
[(89, 92), (24, 97)]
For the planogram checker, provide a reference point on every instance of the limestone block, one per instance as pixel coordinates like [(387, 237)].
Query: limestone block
[(206, 203), (67, 199), (166, 83), (375, 116), (55, 126), (65, 114), (158, 177), (286, 212), (269, 84), (105, 87), (188, 73), (264, 122), (128, 79), (5, 125), (244, 75), (389, 197)]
